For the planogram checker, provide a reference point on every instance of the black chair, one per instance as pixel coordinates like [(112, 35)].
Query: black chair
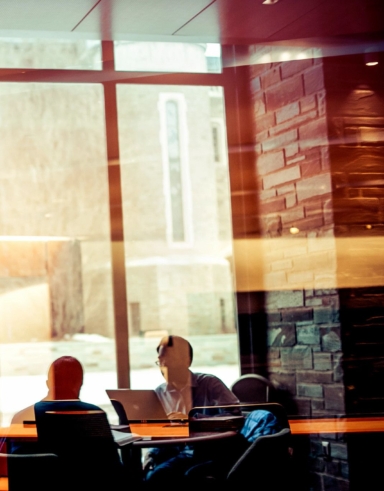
[(253, 388), (264, 462), (31, 472), (83, 441), (264, 465)]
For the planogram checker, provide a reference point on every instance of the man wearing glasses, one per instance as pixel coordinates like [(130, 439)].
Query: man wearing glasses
[(181, 391)]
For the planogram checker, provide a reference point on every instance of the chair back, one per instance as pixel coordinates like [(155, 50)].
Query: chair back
[(234, 412), (266, 463), (253, 388), (81, 437), (32, 471)]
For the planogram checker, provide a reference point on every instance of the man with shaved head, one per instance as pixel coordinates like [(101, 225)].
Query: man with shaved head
[(182, 390), (65, 378)]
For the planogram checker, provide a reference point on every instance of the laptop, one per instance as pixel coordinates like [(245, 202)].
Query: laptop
[(137, 406)]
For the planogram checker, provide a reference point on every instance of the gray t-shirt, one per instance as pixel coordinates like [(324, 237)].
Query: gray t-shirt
[(203, 390)]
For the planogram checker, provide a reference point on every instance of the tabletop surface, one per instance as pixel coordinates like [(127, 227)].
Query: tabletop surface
[(181, 433), (337, 425), (151, 433)]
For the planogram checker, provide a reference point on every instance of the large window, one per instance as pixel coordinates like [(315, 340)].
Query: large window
[(56, 203)]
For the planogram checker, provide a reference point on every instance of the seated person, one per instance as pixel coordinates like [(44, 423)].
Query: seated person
[(181, 391), (65, 378), (184, 389)]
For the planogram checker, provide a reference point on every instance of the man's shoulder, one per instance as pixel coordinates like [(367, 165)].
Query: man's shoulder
[(206, 377), (26, 414)]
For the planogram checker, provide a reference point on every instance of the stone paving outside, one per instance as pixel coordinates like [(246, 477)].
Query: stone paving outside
[(23, 367)]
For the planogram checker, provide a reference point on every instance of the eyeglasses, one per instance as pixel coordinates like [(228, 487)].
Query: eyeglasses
[(159, 363)]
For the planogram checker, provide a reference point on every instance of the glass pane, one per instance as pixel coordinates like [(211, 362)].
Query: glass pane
[(50, 53), (167, 57), (55, 266), (177, 225)]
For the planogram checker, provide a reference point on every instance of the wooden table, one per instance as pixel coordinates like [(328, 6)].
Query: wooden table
[(337, 425), (369, 424)]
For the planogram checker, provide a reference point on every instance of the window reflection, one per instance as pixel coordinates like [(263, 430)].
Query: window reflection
[(55, 278), (177, 221)]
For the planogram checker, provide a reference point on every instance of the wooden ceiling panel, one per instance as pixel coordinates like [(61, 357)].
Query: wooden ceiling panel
[(250, 21), (336, 19), (227, 21)]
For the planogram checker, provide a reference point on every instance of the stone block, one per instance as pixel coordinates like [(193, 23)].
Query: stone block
[(313, 134), (309, 224), (259, 104), (264, 122), (286, 188), (331, 341), (334, 397), (279, 141), (290, 200), (270, 162), (284, 93), (270, 77), (308, 334), (314, 377), (344, 470), (292, 216), (272, 205), (315, 447), (339, 451), (290, 68), (298, 357), (338, 372), (310, 390), (284, 381), (284, 335), (313, 80), (273, 317), (309, 169), (322, 316), (287, 112), (291, 150), (283, 264), (313, 187), (308, 103), (313, 302), (284, 298), (322, 361), (271, 280), (255, 84), (317, 405), (297, 315), (303, 406), (266, 194)]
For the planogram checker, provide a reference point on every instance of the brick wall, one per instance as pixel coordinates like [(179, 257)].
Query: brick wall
[(293, 171), (294, 185)]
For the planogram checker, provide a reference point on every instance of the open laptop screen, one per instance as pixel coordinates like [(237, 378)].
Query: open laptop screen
[(139, 405)]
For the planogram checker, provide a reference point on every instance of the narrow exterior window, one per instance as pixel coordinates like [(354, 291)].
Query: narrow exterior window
[(176, 176), (216, 142), (175, 170), (135, 318)]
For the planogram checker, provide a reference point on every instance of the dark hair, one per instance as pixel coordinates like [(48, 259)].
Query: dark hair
[(170, 344)]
